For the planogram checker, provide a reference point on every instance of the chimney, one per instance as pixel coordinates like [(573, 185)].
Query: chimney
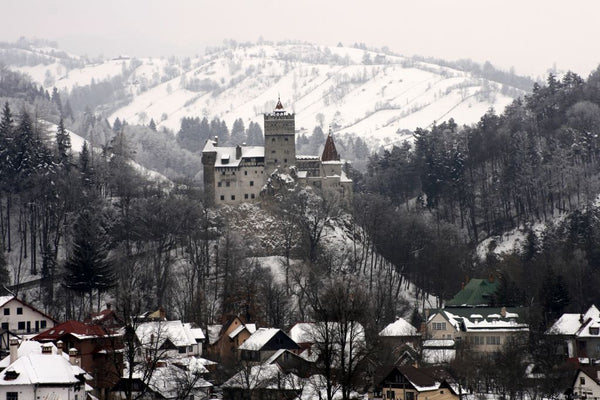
[(74, 357), (238, 152), (503, 312), (59, 346), (14, 348), (216, 140), (46, 348)]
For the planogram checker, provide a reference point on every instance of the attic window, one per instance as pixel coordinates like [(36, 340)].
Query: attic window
[(594, 331), (11, 375)]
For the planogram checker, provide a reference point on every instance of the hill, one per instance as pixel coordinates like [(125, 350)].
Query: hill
[(375, 95)]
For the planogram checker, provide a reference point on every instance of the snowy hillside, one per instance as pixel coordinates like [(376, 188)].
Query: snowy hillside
[(375, 96)]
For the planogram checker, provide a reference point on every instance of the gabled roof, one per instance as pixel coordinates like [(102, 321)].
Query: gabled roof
[(42, 369), (572, 323), (75, 328), (263, 336), (485, 319), (421, 379), (400, 327), (176, 332), (477, 292), (28, 347), (269, 377)]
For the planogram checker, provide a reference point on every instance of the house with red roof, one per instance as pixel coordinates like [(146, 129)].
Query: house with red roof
[(99, 350)]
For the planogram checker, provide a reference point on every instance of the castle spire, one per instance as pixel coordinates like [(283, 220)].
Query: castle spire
[(330, 152), (279, 106)]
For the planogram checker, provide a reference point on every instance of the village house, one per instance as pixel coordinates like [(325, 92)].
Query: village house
[(579, 335), (19, 318), (586, 384), (43, 376), (262, 382), (264, 343), (99, 351), (399, 333), (226, 338), (168, 340), (410, 383), (234, 175)]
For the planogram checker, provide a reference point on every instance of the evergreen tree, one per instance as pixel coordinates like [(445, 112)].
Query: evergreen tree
[(152, 125), (238, 131), (63, 145), (88, 268)]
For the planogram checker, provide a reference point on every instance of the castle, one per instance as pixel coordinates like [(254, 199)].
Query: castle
[(234, 175)]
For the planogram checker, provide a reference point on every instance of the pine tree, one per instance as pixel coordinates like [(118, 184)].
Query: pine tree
[(152, 125), (88, 268), (63, 145)]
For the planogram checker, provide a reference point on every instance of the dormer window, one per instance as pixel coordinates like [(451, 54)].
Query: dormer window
[(594, 331)]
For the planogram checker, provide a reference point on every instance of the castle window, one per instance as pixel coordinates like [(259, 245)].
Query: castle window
[(219, 184), (227, 184), (245, 172), (251, 183), (286, 139), (272, 151), (285, 160), (245, 195), (232, 197), (222, 197), (252, 196), (273, 139)]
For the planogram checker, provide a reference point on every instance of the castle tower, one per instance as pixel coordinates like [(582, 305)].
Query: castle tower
[(330, 152), (280, 139), (209, 158)]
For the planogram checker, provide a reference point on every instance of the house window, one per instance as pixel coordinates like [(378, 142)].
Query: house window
[(21, 326), (5, 326), (20, 311), (181, 350), (593, 331), (581, 380), (409, 396), (390, 394), (12, 395), (439, 326), (7, 311), (492, 340), (251, 183), (43, 324)]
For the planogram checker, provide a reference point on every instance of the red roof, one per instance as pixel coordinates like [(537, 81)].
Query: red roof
[(70, 327), (279, 106), (330, 152)]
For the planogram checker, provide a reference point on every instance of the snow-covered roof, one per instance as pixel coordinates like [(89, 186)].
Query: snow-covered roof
[(310, 332), (400, 327), (213, 333), (5, 299), (28, 347), (265, 377), (237, 331), (227, 155), (178, 333), (571, 323), (259, 338), (197, 332), (438, 356), (42, 369)]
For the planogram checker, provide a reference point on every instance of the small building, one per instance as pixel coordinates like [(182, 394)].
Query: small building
[(167, 340), (262, 382), (225, 339), (19, 318), (586, 384), (100, 351), (476, 293), (579, 334), (43, 376), (265, 342), (398, 333), (410, 383)]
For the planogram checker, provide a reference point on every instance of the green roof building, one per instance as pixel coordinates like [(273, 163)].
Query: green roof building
[(477, 292)]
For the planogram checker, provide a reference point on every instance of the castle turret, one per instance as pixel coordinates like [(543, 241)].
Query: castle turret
[(280, 139), (209, 158)]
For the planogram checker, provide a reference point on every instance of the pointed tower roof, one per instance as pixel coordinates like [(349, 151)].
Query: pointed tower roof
[(279, 106), (330, 152)]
